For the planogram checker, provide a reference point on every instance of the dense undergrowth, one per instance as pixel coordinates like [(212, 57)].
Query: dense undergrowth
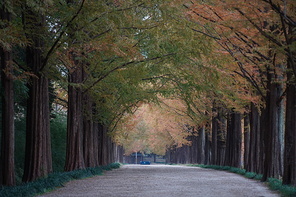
[(274, 184), (53, 181)]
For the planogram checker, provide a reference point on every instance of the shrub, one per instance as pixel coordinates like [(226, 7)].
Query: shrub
[(52, 181), (274, 184), (250, 175), (286, 190), (258, 177), (226, 168), (237, 170)]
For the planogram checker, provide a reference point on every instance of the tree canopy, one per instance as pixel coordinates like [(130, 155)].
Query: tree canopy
[(151, 76)]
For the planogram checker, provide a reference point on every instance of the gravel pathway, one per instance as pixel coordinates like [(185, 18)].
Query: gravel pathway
[(164, 181)]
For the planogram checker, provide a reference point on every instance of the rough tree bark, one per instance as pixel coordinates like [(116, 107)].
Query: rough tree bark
[(255, 150), (246, 139), (214, 139), (103, 145), (289, 176), (201, 144), (90, 132), (218, 137), (234, 141), (74, 149), (38, 159), (272, 160), (7, 175), (208, 145)]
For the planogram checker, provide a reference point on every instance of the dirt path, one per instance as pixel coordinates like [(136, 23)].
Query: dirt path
[(164, 181)]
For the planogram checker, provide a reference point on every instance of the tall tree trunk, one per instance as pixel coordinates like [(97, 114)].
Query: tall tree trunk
[(90, 133), (246, 139), (234, 141), (121, 152), (88, 139), (201, 145), (207, 145), (272, 162), (104, 145), (96, 142), (202, 142), (38, 159), (214, 139), (289, 176), (74, 150), (194, 149), (218, 137), (7, 175), (221, 137), (254, 158)]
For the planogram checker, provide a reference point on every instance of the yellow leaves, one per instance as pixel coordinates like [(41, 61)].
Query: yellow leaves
[(154, 127)]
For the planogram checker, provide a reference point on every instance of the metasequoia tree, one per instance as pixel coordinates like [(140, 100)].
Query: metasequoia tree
[(213, 97), (208, 107), (27, 33), (261, 66), (7, 174), (83, 65), (254, 163), (100, 47), (234, 141), (288, 25), (38, 160), (74, 153), (121, 49), (219, 126)]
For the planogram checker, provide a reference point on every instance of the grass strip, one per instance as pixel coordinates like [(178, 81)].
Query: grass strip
[(53, 181), (273, 183)]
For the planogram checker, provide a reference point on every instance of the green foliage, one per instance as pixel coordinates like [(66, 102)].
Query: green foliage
[(58, 129), (226, 167), (274, 184), (238, 170), (58, 135), (20, 91), (286, 190), (250, 175), (258, 177), (111, 166), (53, 181)]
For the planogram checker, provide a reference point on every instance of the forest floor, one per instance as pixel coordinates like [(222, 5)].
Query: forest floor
[(164, 181)]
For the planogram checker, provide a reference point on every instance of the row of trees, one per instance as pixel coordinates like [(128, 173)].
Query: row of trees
[(242, 99), (216, 62), (27, 53), (97, 54), (259, 36)]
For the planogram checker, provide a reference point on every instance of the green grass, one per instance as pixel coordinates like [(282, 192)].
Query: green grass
[(274, 184), (53, 181)]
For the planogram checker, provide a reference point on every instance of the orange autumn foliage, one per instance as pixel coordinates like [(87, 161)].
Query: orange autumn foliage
[(154, 127), (251, 33)]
